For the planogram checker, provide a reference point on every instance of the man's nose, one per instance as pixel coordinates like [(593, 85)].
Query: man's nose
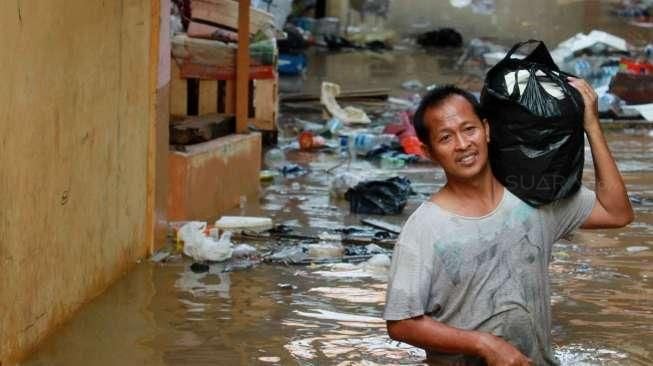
[(462, 143)]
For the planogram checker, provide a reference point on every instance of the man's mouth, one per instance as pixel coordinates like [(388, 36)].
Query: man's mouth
[(467, 158)]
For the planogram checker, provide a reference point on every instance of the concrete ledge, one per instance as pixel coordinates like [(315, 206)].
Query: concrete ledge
[(209, 178)]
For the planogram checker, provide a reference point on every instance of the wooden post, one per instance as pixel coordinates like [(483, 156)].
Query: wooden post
[(242, 67), (150, 199)]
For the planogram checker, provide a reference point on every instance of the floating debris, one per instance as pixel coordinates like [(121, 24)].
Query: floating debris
[(270, 359), (286, 286), (637, 249)]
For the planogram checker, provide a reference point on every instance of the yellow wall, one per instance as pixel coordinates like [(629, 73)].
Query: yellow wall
[(75, 114)]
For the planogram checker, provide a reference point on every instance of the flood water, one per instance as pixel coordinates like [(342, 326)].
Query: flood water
[(165, 314)]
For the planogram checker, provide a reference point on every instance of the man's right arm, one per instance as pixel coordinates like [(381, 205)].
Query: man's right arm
[(426, 333)]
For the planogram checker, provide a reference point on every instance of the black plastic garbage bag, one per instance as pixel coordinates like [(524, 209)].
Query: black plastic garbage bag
[(379, 197), (536, 127), (445, 37), (294, 42)]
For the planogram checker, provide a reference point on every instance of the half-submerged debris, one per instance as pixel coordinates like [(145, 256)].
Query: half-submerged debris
[(386, 197), (239, 223), (202, 247), (349, 114)]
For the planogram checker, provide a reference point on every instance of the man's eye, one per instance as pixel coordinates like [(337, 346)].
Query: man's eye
[(470, 128), (445, 138)]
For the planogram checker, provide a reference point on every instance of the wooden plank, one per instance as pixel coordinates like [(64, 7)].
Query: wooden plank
[(217, 72), (266, 104), (178, 91), (395, 229), (207, 52), (620, 124), (242, 68), (203, 51), (381, 94), (230, 97), (150, 219), (225, 13), (203, 128), (200, 30), (208, 102)]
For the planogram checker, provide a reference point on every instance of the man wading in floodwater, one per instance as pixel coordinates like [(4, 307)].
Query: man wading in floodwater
[(469, 278)]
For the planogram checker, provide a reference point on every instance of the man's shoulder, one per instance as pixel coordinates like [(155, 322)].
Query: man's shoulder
[(424, 223), (426, 213)]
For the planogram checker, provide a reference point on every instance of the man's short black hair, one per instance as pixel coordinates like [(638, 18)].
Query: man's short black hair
[(434, 98)]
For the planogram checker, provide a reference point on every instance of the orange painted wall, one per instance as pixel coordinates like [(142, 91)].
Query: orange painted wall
[(211, 177)]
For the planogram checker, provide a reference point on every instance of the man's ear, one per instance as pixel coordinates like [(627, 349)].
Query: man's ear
[(486, 125), (427, 152)]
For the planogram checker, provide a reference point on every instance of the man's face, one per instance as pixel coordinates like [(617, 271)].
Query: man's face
[(459, 139)]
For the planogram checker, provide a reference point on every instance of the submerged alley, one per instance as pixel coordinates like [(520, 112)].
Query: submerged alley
[(165, 205)]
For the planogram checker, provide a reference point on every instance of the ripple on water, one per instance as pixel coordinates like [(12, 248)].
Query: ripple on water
[(202, 284), (365, 348), (578, 355), (635, 166)]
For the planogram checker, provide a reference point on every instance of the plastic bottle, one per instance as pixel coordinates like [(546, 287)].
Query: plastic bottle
[(365, 142), (332, 127), (308, 141), (275, 158), (582, 68), (608, 102), (345, 148)]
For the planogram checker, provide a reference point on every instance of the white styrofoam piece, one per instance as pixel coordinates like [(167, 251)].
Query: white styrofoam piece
[(646, 110), (244, 223)]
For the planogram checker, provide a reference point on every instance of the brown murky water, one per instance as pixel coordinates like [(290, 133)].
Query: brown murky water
[(164, 314)]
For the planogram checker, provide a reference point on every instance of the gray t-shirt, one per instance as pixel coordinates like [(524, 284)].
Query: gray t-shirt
[(486, 273)]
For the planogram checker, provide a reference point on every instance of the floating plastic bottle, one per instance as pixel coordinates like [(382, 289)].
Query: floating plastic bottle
[(365, 142), (332, 127), (275, 158), (308, 141)]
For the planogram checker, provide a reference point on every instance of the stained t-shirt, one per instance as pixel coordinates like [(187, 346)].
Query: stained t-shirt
[(486, 273)]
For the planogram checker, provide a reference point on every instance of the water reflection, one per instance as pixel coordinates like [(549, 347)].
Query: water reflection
[(202, 284)]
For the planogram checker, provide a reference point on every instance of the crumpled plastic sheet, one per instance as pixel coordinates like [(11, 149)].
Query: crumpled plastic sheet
[(349, 114)]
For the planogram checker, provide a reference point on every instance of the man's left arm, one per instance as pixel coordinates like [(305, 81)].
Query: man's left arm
[(612, 209)]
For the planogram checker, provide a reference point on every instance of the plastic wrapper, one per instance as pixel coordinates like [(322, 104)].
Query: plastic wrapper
[(342, 183), (536, 129), (201, 247), (280, 9)]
